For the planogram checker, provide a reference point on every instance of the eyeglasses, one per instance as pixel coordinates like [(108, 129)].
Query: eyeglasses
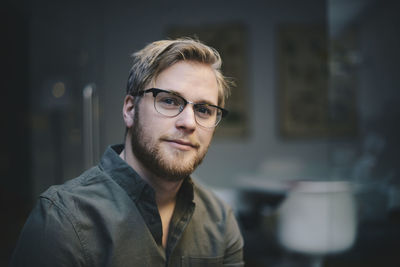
[(171, 105)]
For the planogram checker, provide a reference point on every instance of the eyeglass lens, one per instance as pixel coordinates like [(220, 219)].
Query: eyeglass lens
[(171, 105)]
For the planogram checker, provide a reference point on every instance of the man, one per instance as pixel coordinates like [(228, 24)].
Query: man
[(139, 206)]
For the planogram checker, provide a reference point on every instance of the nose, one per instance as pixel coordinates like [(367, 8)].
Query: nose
[(186, 119)]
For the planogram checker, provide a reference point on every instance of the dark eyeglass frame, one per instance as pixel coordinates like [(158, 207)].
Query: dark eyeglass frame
[(156, 91)]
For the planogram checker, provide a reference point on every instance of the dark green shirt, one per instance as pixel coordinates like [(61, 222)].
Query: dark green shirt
[(108, 217)]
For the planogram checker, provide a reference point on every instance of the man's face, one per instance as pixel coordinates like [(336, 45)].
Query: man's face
[(172, 148)]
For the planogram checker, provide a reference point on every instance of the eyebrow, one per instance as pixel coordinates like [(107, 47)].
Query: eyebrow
[(197, 102)]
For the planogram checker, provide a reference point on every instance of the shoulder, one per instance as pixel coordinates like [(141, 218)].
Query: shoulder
[(81, 200), (52, 234), (77, 199), (90, 183)]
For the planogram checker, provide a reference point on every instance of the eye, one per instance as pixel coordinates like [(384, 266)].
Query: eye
[(205, 111), (168, 101)]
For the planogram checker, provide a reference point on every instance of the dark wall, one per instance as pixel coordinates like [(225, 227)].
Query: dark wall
[(15, 165)]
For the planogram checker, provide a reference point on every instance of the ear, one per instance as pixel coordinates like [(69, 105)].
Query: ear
[(128, 110)]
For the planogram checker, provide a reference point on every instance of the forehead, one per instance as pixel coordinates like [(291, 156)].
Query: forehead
[(194, 81)]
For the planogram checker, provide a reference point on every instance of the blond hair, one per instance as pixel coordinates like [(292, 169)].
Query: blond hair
[(149, 62)]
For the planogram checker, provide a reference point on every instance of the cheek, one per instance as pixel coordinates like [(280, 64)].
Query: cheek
[(205, 137), (151, 120)]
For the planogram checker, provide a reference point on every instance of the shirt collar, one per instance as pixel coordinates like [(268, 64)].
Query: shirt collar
[(123, 174)]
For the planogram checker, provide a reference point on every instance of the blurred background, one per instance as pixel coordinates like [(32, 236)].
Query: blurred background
[(308, 158)]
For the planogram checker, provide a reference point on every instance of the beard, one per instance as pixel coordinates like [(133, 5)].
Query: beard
[(173, 165)]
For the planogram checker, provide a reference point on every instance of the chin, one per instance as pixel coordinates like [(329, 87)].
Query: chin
[(180, 159), (180, 162)]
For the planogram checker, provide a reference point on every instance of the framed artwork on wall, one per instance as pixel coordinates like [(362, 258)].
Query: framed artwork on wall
[(315, 98)]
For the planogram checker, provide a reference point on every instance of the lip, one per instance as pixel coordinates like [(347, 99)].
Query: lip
[(182, 144)]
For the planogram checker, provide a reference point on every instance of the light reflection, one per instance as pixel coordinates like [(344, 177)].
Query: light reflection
[(58, 90)]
